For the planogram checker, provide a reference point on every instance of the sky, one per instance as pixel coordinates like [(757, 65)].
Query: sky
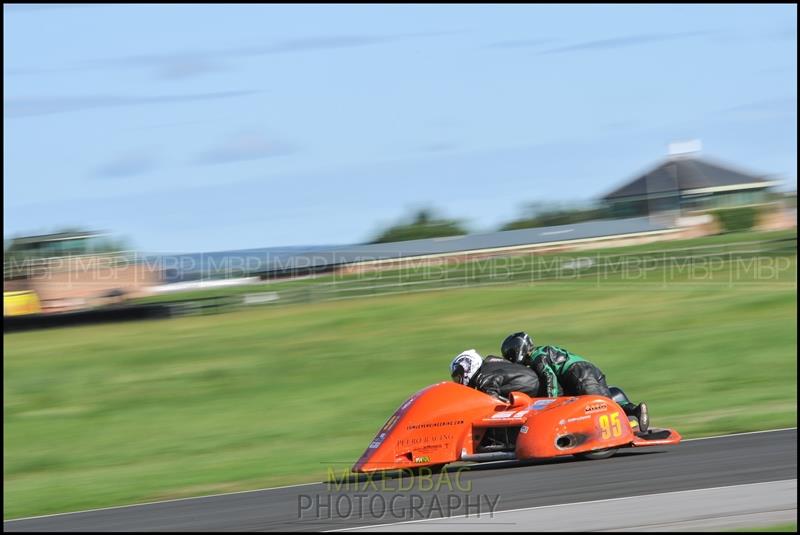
[(188, 128)]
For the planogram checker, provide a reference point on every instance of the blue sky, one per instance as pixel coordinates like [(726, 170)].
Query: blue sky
[(212, 127)]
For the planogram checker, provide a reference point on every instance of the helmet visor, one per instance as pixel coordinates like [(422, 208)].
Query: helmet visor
[(458, 375), (464, 366)]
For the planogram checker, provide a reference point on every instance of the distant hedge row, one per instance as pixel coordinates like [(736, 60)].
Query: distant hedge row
[(737, 219)]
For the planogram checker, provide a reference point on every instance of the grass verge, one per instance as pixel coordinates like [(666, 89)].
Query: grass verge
[(111, 414)]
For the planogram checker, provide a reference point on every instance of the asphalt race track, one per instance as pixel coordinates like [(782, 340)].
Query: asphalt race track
[(735, 461)]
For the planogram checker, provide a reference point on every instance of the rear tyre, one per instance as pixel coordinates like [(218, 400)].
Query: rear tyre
[(597, 454)]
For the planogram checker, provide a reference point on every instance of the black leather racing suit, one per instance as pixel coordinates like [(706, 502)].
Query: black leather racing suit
[(500, 377)]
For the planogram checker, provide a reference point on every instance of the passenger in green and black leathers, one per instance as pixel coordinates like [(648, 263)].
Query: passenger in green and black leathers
[(563, 373)]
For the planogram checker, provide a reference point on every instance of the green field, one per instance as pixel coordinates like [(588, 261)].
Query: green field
[(104, 415), (791, 528)]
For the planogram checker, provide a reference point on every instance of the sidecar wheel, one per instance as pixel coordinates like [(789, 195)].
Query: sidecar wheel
[(597, 454)]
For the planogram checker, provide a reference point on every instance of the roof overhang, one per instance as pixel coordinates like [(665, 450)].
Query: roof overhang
[(644, 197), (732, 187)]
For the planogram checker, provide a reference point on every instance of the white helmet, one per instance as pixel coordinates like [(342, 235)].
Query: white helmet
[(465, 366)]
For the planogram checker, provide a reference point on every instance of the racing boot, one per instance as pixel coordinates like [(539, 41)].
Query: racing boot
[(640, 411)]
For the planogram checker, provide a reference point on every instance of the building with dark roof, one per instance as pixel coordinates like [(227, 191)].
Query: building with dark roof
[(74, 270), (685, 182), (58, 244)]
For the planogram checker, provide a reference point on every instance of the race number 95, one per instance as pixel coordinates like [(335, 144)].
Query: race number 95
[(610, 427)]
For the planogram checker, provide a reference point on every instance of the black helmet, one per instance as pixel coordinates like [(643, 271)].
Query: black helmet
[(517, 347)]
